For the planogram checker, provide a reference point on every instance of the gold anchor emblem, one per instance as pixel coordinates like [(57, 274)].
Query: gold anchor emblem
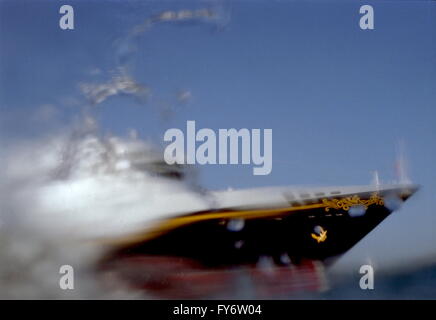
[(322, 235)]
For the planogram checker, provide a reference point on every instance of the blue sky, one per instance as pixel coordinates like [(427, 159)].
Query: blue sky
[(337, 98)]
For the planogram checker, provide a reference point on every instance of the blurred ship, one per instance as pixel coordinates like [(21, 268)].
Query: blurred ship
[(160, 233), (281, 238)]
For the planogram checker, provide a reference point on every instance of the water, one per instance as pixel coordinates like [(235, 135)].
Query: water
[(414, 283)]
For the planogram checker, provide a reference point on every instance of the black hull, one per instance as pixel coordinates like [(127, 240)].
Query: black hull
[(210, 250), (212, 244), (294, 233)]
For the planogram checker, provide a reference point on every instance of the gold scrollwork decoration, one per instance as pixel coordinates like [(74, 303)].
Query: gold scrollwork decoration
[(348, 202)]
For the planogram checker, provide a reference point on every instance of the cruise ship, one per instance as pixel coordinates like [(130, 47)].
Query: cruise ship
[(283, 238), (164, 235)]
